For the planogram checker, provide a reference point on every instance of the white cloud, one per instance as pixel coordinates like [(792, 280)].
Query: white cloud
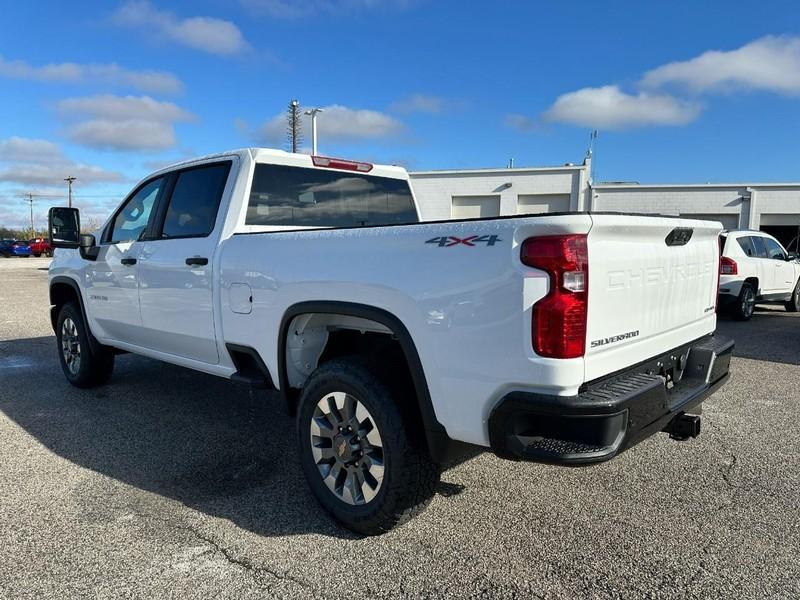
[(77, 73), (335, 123), (770, 63), (293, 9), (17, 149), (40, 162), (122, 122), (608, 107), (109, 106), (208, 34), (50, 174), (420, 103)]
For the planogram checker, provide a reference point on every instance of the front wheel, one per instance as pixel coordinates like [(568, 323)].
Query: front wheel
[(746, 304), (793, 304), (38, 255), (83, 367), (362, 452)]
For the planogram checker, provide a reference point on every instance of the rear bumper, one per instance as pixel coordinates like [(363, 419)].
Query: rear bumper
[(613, 414)]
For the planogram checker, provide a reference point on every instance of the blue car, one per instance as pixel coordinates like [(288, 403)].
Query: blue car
[(9, 248)]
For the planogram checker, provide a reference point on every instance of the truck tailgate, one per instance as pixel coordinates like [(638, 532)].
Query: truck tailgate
[(650, 290)]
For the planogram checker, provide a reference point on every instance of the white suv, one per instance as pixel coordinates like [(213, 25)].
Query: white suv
[(755, 268)]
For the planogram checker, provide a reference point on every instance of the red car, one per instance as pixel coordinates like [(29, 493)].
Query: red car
[(40, 246)]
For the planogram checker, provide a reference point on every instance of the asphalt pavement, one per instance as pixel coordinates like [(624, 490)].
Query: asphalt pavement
[(170, 483)]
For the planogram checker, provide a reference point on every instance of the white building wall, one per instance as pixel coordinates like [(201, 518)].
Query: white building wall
[(736, 205), (729, 203), (435, 190)]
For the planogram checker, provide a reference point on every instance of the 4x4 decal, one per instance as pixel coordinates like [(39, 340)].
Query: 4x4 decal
[(472, 240)]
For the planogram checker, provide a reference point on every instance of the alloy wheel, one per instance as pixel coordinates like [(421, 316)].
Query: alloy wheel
[(71, 346), (748, 302), (347, 448)]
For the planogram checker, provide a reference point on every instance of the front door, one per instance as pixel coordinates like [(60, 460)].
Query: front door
[(112, 281), (176, 266)]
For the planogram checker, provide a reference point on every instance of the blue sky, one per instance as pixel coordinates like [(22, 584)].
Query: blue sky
[(679, 91)]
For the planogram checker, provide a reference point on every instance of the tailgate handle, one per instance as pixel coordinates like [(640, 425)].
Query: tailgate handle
[(679, 236)]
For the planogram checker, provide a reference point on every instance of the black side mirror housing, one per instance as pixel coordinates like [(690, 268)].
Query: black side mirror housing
[(791, 256), (64, 227), (87, 241), (89, 249)]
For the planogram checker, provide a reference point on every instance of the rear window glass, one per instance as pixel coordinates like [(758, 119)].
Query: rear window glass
[(746, 243), (297, 196), (760, 246)]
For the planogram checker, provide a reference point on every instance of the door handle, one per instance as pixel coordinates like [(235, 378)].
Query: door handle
[(128, 261), (196, 260)]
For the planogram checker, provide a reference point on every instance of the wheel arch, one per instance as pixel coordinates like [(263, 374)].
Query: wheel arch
[(754, 282), (62, 291), (435, 433)]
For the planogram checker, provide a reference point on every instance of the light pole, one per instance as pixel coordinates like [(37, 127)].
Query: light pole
[(69, 181), (313, 112)]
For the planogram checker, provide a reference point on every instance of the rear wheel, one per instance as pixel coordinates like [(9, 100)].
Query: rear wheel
[(82, 366), (746, 304), (363, 455), (793, 304)]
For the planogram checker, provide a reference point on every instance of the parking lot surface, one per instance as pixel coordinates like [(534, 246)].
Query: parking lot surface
[(171, 483)]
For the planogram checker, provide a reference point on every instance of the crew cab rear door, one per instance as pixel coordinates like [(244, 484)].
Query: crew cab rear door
[(652, 287), (176, 264)]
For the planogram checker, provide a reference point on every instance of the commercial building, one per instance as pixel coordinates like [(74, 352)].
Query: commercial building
[(453, 194)]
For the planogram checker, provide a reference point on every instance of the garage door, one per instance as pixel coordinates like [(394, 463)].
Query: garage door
[(535, 204), (474, 207), (728, 221)]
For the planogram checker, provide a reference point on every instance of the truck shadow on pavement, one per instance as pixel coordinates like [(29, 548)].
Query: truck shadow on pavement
[(212, 445), (772, 334)]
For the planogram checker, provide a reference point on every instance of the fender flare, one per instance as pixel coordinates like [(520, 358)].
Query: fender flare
[(435, 434), (62, 279)]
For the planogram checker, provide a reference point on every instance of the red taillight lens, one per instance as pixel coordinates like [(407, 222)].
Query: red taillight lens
[(728, 266), (559, 319), (338, 163)]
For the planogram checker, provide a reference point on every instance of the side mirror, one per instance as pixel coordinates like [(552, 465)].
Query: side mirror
[(64, 226), (791, 256)]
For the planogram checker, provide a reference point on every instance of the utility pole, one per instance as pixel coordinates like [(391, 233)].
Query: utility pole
[(294, 132), (69, 181), (314, 112), (30, 201)]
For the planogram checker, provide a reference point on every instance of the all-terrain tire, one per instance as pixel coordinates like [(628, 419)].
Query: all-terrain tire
[(84, 364), (410, 475)]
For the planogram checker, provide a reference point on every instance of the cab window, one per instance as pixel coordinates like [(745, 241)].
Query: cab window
[(132, 218), (194, 202)]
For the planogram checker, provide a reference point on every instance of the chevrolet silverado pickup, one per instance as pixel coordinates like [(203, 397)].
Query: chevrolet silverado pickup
[(558, 338)]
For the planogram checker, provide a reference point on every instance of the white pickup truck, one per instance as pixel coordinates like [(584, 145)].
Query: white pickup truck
[(562, 338)]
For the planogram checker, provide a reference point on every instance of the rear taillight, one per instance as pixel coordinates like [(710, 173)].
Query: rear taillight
[(728, 266), (338, 163), (559, 319)]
